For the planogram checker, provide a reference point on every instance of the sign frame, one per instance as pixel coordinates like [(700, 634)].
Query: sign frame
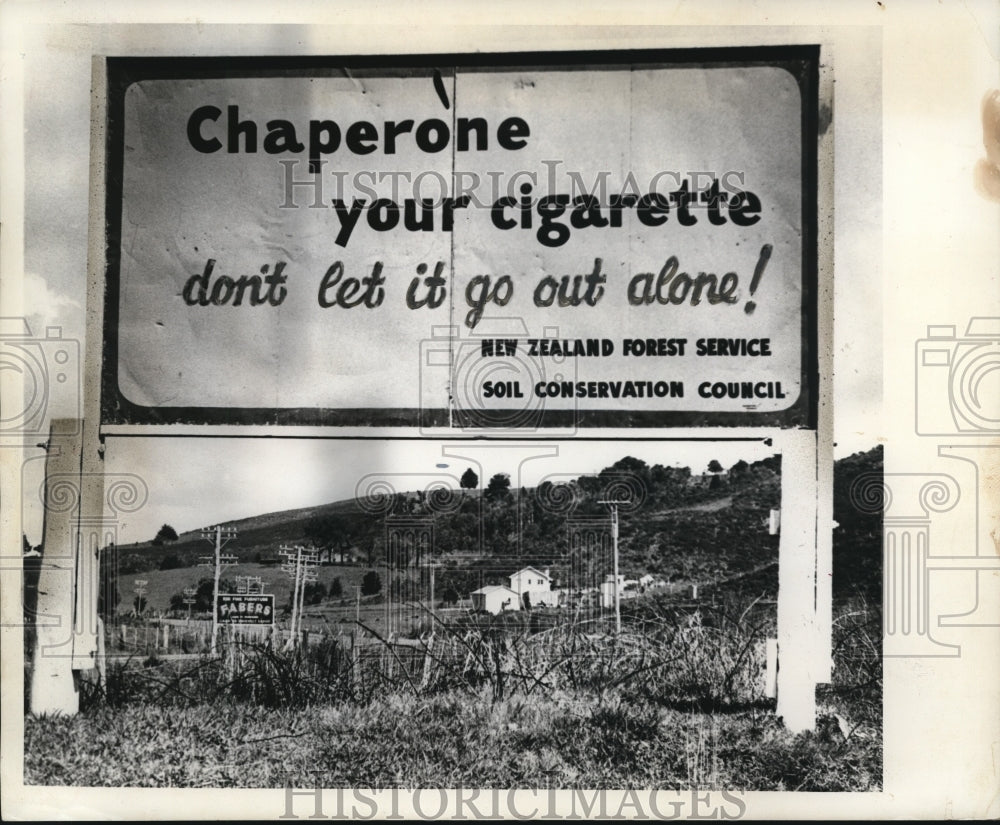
[(249, 598), (803, 61)]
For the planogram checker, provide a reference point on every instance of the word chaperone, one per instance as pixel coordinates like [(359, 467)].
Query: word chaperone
[(205, 133)]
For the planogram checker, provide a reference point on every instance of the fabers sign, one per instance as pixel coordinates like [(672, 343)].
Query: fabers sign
[(617, 239), (245, 609)]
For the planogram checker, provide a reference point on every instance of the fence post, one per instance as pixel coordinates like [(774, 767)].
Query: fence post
[(353, 652), (428, 661)]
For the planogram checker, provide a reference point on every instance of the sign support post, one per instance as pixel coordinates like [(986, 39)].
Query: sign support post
[(53, 688), (796, 681)]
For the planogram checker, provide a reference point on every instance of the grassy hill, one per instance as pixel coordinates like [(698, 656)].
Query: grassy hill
[(162, 584), (257, 536), (682, 529)]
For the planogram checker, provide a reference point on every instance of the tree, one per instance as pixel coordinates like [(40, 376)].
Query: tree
[(739, 469), (336, 589), (469, 480), (329, 531), (314, 593), (371, 583), (165, 534), (449, 596), (714, 467), (171, 562), (203, 594), (498, 487)]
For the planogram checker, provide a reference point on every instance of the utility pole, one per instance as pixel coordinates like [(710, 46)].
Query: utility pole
[(300, 564), (220, 535), (614, 538), (249, 585), (309, 559), (296, 596), (293, 558)]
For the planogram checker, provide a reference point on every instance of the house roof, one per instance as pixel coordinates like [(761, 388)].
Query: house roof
[(531, 570), (492, 588)]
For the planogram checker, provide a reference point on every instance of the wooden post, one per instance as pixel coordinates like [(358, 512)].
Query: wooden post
[(352, 652), (797, 634), (215, 587), (428, 660), (52, 685), (295, 594), (823, 485)]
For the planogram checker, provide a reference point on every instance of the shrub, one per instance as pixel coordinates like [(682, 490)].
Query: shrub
[(171, 562)]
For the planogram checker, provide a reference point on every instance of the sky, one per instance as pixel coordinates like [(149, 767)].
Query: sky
[(192, 482), (229, 483)]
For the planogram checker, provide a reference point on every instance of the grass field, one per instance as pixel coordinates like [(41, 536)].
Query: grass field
[(540, 699), (446, 741), (165, 583), (675, 702)]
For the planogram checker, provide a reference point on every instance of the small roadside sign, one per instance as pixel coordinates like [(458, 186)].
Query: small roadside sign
[(233, 608)]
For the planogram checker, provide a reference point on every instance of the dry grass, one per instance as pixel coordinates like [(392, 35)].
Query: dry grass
[(675, 701)]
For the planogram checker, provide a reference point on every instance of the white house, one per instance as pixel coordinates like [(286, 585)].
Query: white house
[(536, 583), (495, 598)]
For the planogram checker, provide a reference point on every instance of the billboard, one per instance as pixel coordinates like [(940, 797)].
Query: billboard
[(501, 241), (234, 608)]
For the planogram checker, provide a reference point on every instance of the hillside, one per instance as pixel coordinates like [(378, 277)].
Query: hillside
[(679, 528), (259, 537)]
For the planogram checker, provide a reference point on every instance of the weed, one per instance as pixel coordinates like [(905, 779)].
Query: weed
[(674, 701)]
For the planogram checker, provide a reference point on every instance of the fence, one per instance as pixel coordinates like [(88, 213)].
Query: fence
[(178, 638), (707, 656)]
